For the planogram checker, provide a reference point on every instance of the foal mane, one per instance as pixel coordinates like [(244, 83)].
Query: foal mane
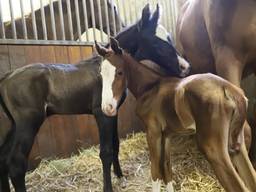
[(141, 64)]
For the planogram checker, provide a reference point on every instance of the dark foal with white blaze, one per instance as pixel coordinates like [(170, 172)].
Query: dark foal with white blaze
[(169, 105), (62, 89)]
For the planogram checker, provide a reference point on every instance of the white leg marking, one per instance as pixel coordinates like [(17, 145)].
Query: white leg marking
[(156, 185), (108, 102), (169, 187)]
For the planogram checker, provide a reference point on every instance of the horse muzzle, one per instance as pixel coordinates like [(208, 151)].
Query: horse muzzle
[(184, 67), (109, 108)]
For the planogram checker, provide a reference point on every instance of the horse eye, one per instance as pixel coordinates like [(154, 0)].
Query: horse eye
[(120, 73)]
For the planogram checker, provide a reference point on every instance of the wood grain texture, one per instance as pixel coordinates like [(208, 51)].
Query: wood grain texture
[(62, 135), (4, 60), (17, 56)]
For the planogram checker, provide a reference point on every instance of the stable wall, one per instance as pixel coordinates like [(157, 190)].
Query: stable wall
[(60, 136)]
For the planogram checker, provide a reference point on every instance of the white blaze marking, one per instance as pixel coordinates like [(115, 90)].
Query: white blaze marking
[(156, 185), (169, 187), (108, 75), (162, 33)]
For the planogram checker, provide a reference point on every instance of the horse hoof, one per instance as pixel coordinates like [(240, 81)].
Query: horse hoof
[(122, 182)]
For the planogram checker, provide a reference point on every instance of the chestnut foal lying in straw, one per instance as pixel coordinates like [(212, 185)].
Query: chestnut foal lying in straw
[(171, 105)]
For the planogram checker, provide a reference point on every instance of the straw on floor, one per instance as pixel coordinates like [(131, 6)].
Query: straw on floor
[(83, 172)]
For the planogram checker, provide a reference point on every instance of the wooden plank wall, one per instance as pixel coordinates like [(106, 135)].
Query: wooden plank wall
[(60, 136)]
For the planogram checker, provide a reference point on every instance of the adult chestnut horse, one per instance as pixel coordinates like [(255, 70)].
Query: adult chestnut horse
[(169, 105), (48, 89), (219, 36)]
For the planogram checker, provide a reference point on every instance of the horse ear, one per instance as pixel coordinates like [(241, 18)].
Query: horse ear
[(156, 17), (102, 51), (145, 17), (115, 46)]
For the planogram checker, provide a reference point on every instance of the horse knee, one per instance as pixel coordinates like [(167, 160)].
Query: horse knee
[(17, 164), (212, 151), (106, 154)]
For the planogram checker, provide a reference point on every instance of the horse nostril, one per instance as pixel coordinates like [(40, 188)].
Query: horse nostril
[(110, 107), (182, 67)]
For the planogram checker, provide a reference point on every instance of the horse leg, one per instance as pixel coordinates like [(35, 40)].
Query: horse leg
[(231, 69), (106, 127), (154, 140), (167, 164), (4, 181), (6, 125), (17, 164), (116, 164), (212, 138), (27, 126), (244, 167), (249, 86)]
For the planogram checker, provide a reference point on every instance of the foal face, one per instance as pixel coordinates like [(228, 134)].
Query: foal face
[(113, 75)]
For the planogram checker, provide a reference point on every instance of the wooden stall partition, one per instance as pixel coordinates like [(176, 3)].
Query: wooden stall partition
[(62, 135)]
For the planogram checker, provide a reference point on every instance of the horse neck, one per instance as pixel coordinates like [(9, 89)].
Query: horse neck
[(140, 78), (94, 61)]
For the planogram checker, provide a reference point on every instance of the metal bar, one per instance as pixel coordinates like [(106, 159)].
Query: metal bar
[(106, 16), (85, 20), (124, 10), (113, 16), (52, 20), (43, 20), (70, 24), (14, 33), (120, 21), (136, 10), (33, 20), (2, 22), (130, 12), (78, 20), (176, 10), (171, 15), (42, 42), (93, 19), (61, 20), (168, 16), (100, 20), (24, 26), (165, 23), (173, 18)]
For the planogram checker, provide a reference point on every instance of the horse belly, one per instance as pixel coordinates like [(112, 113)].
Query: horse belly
[(195, 41)]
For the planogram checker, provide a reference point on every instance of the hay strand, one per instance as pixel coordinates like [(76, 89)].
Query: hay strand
[(83, 172)]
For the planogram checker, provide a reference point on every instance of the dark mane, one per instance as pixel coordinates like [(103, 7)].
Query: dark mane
[(95, 60)]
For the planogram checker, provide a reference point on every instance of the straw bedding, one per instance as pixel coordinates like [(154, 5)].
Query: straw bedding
[(83, 172)]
